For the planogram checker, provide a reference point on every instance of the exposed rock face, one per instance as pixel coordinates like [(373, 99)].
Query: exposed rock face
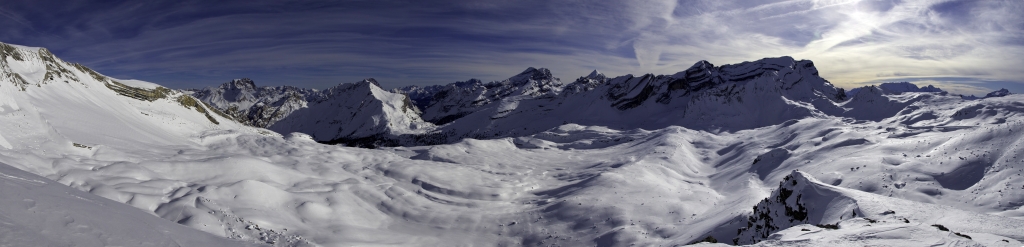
[(420, 96), (344, 112), (746, 95), (356, 112), (459, 99), (95, 108), (893, 88), (783, 209), (256, 106), (998, 93), (585, 83), (730, 97)]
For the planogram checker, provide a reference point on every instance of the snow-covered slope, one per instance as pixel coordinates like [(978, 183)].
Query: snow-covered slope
[(356, 112), (56, 109), (35, 211), (47, 98), (463, 98), (420, 96), (652, 160), (585, 83), (731, 97), (824, 213), (346, 113)]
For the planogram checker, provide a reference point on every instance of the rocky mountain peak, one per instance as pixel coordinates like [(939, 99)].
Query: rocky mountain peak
[(369, 81), (535, 74), (243, 83), (701, 65), (786, 207), (468, 83), (890, 88), (998, 93)]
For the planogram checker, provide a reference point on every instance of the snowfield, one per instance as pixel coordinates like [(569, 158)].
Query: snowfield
[(92, 161)]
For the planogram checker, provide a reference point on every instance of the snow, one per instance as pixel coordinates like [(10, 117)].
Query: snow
[(138, 83), (25, 48), (4, 143), (257, 106), (288, 109), (353, 111), (869, 219), (655, 174), (35, 211)]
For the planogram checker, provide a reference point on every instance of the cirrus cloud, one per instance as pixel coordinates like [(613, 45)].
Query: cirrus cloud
[(400, 42)]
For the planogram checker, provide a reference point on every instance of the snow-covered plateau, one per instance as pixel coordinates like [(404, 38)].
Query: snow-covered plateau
[(763, 153)]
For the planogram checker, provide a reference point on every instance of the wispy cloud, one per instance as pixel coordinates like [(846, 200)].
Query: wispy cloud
[(853, 41), (321, 43)]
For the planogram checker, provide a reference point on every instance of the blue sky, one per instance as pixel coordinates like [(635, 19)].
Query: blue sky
[(964, 46)]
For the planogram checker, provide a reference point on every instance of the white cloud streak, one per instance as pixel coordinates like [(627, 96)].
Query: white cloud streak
[(850, 41), (400, 42)]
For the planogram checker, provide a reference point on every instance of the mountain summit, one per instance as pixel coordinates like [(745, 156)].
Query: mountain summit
[(763, 152), (348, 111), (740, 96)]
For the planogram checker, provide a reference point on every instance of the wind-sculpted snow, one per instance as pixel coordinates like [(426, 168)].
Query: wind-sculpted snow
[(35, 211), (573, 185), (823, 213), (580, 174), (51, 110)]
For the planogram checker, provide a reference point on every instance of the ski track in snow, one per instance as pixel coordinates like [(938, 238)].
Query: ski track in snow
[(572, 185)]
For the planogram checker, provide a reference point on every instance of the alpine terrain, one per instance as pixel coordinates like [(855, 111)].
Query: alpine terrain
[(762, 153)]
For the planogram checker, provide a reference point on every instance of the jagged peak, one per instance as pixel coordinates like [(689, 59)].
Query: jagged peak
[(536, 74), (468, 83), (701, 65), (369, 81), (786, 207), (998, 93), (803, 177), (20, 47), (896, 88), (243, 83), (872, 89), (596, 75), (907, 87)]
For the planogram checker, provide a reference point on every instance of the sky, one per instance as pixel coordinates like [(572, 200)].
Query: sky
[(969, 47)]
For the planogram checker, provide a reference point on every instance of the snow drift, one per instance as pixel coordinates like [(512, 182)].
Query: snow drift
[(803, 202), (649, 160)]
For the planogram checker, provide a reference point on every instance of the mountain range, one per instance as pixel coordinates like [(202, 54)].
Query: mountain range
[(764, 153), (703, 96)]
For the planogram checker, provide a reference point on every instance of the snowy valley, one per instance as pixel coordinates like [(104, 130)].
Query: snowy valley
[(764, 153)]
